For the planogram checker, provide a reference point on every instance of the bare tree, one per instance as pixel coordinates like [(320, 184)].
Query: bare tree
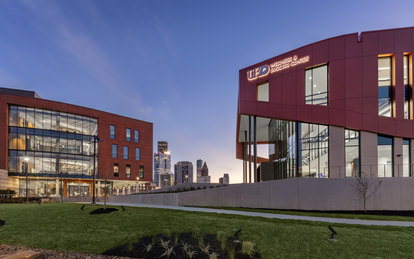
[(366, 188)]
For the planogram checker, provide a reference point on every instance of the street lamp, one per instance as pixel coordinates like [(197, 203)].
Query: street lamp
[(95, 139), (26, 159)]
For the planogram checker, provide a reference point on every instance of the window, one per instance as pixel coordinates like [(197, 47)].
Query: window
[(116, 170), (313, 150), (316, 85), (263, 92), (406, 158), (137, 154), (141, 171), (385, 86), (385, 160), (352, 153), (125, 152), (114, 151), (136, 136), (112, 131), (128, 134), (407, 87), (128, 171)]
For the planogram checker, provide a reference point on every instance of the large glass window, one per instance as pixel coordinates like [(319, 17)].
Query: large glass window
[(128, 171), (263, 92), (126, 152), (316, 85), (385, 86), (352, 163), (114, 151), (385, 159), (48, 143), (406, 170), (128, 134), (407, 87), (112, 131), (298, 149), (282, 148), (313, 150), (136, 136), (137, 153)]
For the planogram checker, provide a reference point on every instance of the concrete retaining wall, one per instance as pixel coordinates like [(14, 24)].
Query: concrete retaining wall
[(294, 194)]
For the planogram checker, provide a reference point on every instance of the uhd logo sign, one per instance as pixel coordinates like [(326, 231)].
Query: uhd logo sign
[(277, 66), (258, 72)]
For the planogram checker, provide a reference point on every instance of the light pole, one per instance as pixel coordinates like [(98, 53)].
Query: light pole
[(26, 159), (95, 139)]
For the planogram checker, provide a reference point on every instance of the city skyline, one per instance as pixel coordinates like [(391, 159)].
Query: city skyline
[(175, 64)]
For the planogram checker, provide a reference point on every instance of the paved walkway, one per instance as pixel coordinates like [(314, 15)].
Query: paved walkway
[(272, 215)]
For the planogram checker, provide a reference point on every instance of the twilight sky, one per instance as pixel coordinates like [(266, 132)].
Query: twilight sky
[(174, 63)]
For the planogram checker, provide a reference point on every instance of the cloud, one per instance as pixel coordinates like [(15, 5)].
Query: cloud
[(87, 53)]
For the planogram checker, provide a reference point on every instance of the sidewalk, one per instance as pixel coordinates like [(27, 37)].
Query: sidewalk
[(273, 216)]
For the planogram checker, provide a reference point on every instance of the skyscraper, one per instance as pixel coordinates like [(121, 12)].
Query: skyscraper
[(205, 178), (183, 172), (199, 166), (162, 165)]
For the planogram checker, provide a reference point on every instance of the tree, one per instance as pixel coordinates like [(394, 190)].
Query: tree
[(366, 188)]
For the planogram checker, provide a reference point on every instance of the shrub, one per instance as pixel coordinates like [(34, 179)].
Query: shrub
[(248, 248)]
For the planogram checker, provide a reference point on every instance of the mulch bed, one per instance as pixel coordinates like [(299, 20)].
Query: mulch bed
[(138, 249), (54, 254), (103, 211)]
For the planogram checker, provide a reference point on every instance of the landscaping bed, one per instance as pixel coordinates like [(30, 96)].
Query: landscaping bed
[(187, 245)]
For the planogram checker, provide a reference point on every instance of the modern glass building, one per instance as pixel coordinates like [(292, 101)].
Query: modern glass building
[(340, 107), (53, 149)]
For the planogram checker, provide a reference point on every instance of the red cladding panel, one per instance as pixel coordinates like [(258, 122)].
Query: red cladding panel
[(386, 42)]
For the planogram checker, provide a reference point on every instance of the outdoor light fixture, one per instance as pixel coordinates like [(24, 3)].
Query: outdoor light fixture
[(333, 233)]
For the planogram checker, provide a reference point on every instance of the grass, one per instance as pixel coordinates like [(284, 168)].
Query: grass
[(65, 227), (321, 214)]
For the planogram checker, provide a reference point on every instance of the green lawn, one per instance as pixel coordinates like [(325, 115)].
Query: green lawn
[(321, 214), (64, 226)]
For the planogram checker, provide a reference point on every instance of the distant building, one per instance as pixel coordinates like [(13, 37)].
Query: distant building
[(162, 165), (226, 179), (162, 146), (205, 178), (199, 166), (183, 172), (165, 180)]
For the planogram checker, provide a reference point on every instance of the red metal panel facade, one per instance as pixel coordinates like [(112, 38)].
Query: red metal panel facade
[(353, 84), (105, 160)]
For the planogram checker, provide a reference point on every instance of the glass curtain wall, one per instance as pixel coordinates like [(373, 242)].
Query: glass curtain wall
[(352, 163), (299, 149), (385, 156), (385, 86), (47, 143), (38, 187), (313, 150), (282, 148)]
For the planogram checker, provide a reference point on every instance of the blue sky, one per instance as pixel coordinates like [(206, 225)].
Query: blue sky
[(174, 63)]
